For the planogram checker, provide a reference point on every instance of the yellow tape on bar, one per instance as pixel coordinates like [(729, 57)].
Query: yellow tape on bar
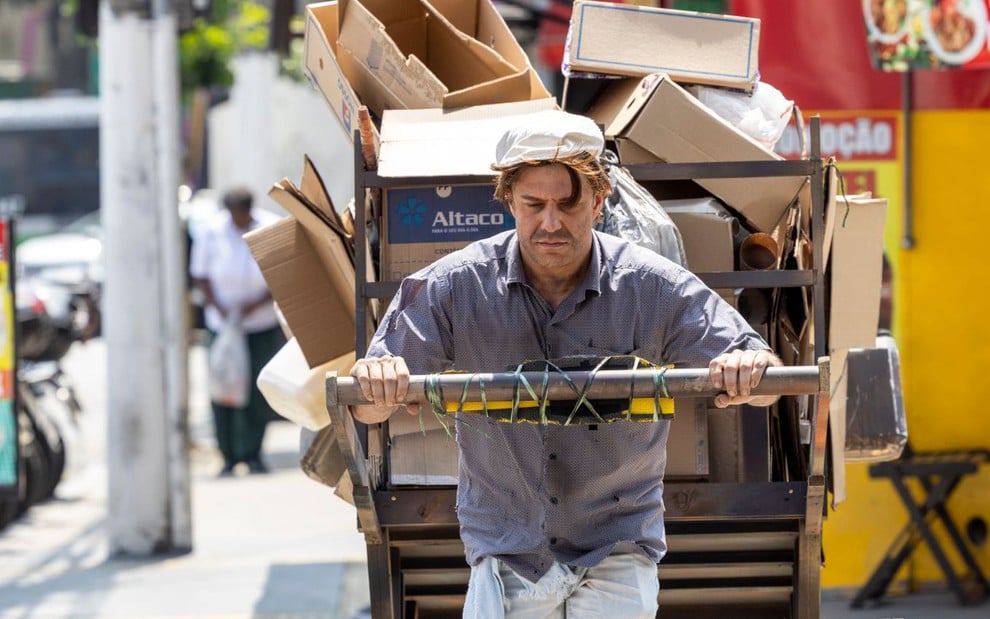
[(639, 406)]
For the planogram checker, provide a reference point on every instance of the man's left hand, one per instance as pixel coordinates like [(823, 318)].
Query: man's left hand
[(737, 373)]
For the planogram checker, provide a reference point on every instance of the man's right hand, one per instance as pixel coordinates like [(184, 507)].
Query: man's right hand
[(384, 381)]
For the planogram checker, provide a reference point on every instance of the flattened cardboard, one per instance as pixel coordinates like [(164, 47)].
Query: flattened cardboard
[(312, 186), (311, 294), (431, 459), (669, 124), (306, 259), (699, 48), (857, 272), (450, 142), (687, 444)]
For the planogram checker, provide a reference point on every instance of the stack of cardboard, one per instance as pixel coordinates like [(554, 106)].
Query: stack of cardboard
[(416, 60), (650, 115), (307, 259), (414, 54), (432, 84)]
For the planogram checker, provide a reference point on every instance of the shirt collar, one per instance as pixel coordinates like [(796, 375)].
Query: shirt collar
[(516, 274)]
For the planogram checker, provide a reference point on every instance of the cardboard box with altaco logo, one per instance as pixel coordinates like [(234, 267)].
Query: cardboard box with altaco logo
[(424, 222)]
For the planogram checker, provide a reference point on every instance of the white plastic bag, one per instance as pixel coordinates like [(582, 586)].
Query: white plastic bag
[(762, 115), (296, 391), (230, 365)]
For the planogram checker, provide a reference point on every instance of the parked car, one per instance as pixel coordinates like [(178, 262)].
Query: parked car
[(70, 261), (65, 270)]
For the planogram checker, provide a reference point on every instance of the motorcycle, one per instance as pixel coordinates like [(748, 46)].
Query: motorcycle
[(47, 408)]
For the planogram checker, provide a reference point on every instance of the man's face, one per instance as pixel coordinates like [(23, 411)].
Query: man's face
[(554, 232)]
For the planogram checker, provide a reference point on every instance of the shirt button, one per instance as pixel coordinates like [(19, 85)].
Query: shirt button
[(554, 500), (553, 456), (553, 540)]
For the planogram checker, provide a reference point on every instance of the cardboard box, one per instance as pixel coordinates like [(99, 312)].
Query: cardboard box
[(399, 54), (700, 48), (323, 68), (420, 459), (708, 231), (666, 123), (307, 265), (857, 272), (424, 223), (687, 443)]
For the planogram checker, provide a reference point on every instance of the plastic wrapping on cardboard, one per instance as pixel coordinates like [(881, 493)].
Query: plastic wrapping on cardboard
[(876, 427), (762, 115), (632, 213)]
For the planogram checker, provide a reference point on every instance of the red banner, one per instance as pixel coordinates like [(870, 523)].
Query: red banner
[(817, 54), (850, 137)]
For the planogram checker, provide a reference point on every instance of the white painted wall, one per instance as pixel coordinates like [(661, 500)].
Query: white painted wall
[(260, 135)]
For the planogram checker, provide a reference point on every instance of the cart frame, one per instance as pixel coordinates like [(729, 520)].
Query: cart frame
[(769, 532)]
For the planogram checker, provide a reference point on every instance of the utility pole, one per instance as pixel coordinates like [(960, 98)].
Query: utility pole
[(148, 498)]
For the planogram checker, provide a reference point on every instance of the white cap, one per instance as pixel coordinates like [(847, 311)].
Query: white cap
[(548, 136)]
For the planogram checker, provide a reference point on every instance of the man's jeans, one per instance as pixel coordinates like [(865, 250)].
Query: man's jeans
[(623, 586)]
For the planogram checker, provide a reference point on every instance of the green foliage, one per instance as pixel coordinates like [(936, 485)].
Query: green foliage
[(293, 64), (204, 57), (206, 50)]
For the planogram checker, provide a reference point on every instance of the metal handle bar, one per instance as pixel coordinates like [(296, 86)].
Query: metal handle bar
[(606, 384)]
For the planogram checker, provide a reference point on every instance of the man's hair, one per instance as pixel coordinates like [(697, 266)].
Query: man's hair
[(580, 165), (238, 197)]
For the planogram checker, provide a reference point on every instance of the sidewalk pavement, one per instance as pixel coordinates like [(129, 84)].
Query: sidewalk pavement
[(265, 546), (274, 545)]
